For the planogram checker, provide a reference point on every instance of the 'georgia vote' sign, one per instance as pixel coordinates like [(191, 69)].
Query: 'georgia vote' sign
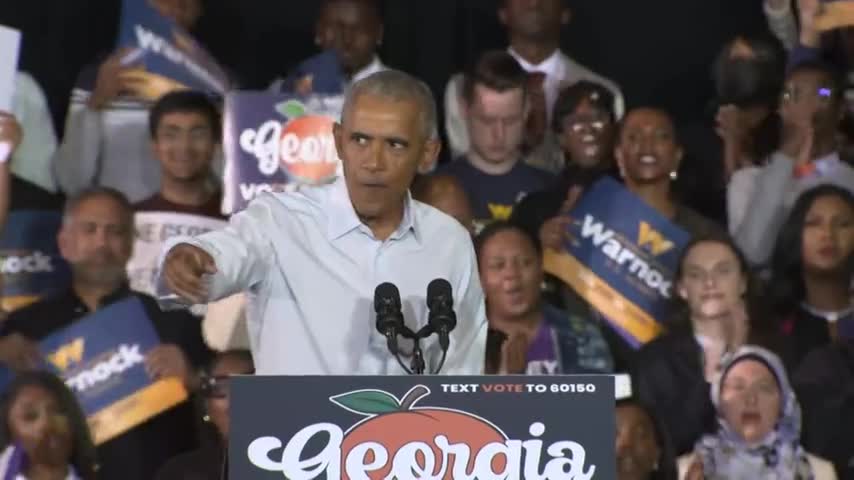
[(406, 427), (277, 141)]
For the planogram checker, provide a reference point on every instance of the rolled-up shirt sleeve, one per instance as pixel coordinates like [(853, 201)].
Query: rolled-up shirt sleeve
[(468, 340), (242, 252)]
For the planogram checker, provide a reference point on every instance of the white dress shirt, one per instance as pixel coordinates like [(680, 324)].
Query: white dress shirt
[(310, 267)]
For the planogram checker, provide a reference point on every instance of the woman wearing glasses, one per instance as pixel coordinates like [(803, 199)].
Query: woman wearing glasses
[(209, 461)]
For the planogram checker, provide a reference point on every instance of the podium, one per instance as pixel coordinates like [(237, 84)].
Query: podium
[(407, 427)]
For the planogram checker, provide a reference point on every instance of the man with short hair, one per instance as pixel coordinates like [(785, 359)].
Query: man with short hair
[(496, 105), (106, 141), (534, 31), (293, 251), (349, 32), (185, 134), (96, 239)]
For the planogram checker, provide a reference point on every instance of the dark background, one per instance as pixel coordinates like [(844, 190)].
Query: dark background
[(659, 51)]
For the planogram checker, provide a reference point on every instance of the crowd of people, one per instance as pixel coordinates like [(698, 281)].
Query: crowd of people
[(752, 377)]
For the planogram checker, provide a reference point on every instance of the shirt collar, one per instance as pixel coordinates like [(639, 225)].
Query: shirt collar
[(550, 66), (120, 293), (375, 66), (342, 217)]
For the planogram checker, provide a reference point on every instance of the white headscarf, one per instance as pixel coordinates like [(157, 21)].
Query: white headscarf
[(779, 456)]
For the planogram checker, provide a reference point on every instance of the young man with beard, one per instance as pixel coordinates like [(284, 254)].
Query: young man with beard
[(185, 135), (96, 239)]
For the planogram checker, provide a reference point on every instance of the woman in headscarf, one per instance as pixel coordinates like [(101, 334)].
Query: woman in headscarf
[(759, 426), (715, 311)]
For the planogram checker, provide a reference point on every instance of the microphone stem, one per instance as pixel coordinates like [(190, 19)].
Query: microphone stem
[(417, 358)]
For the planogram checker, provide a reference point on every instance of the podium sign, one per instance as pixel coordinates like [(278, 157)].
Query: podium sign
[(407, 427)]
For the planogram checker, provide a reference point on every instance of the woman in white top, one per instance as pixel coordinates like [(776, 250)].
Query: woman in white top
[(44, 434), (759, 426)]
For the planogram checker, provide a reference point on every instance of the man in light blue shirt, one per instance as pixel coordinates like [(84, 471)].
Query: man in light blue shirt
[(311, 259)]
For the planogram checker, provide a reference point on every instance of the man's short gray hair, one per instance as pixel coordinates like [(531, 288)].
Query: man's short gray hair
[(398, 86)]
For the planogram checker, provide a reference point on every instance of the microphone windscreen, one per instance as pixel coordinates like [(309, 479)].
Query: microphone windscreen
[(439, 290), (386, 294)]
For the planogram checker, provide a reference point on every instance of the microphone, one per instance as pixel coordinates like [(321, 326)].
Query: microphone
[(389, 316), (440, 302)]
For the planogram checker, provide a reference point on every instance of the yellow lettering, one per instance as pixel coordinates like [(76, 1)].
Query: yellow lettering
[(654, 241), (500, 212), (67, 354)]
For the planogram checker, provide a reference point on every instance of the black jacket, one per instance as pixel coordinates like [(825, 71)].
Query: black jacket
[(824, 383), (138, 453), (668, 376)]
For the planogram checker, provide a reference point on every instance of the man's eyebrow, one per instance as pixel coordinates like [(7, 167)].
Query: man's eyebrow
[(399, 140)]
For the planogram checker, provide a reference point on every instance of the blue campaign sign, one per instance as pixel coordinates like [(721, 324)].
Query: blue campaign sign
[(31, 265), (277, 141), (441, 427), (101, 358), (166, 50), (621, 259)]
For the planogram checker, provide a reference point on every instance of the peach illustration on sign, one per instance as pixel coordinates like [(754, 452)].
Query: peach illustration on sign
[(394, 423), (306, 145)]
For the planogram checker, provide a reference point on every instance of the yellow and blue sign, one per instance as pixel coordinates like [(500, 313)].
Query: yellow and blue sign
[(166, 51), (101, 358), (29, 258), (621, 258)]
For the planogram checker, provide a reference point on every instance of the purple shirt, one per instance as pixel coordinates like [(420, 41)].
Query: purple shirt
[(542, 354)]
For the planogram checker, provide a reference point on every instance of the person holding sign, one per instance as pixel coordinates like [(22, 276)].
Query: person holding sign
[(349, 32), (96, 239), (294, 251), (648, 157), (105, 141), (44, 433), (185, 134)]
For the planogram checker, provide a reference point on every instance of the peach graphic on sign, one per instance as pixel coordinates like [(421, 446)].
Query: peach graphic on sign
[(306, 145), (395, 424)]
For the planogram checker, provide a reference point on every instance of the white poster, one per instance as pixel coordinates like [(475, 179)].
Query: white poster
[(153, 229), (10, 44)]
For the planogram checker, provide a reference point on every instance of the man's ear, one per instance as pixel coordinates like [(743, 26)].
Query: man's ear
[(430, 155), (337, 133), (63, 241), (502, 16), (565, 16)]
